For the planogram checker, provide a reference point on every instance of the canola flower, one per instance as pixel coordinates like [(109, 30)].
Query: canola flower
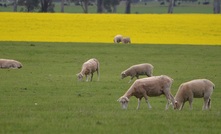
[(199, 29)]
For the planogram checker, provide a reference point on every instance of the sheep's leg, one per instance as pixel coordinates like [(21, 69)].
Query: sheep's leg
[(138, 106), (172, 100), (131, 79), (98, 75), (168, 104), (181, 107), (190, 102), (168, 97), (209, 103), (91, 76), (86, 77), (148, 74), (148, 104), (206, 103)]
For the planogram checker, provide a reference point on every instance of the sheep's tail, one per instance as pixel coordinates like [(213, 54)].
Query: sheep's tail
[(209, 103)]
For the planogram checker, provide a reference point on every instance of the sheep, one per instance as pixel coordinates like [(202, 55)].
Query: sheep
[(136, 70), (198, 88), (151, 86), (118, 38), (10, 64), (88, 68), (126, 40)]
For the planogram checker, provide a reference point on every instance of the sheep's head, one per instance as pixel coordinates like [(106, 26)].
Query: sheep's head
[(117, 40), (20, 66), (123, 75), (124, 101), (176, 105), (14, 64), (79, 76)]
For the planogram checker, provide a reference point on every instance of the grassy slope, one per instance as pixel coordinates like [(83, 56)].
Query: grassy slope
[(150, 7), (65, 105)]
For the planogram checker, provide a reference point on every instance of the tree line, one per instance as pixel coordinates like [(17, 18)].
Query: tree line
[(102, 5)]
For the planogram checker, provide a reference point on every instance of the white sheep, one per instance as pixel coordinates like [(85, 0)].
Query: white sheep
[(151, 86), (10, 64), (126, 40), (199, 88), (136, 70), (118, 38), (88, 68)]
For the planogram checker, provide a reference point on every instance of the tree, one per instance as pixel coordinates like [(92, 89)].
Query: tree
[(30, 5), (114, 5), (111, 5), (62, 6), (84, 5), (128, 2), (99, 6), (170, 8), (216, 6), (46, 5), (15, 6)]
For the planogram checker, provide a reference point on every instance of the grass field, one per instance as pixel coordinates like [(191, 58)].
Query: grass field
[(45, 96), (137, 8)]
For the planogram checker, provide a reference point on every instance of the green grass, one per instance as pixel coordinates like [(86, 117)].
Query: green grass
[(65, 105), (149, 7)]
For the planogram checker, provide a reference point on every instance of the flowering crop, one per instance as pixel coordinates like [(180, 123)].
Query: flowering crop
[(142, 28)]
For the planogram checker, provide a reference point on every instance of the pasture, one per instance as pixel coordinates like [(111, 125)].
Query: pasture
[(45, 96), (136, 8)]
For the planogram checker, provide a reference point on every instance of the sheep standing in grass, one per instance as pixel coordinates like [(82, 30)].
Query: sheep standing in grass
[(126, 40), (118, 38), (8, 64), (136, 70), (88, 68), (199, 88), (151, 86)]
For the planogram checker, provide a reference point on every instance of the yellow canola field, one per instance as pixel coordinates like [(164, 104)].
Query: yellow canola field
[(198, 29)]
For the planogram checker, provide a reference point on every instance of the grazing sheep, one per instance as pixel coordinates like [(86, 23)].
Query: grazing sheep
[(199, 88), (10, 64), (88, 68), (118, 38), (126, 40), (151, 86), (136, 70)]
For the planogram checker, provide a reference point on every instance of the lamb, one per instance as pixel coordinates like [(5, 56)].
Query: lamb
[(88, 68), (136, 70), (10, 64), (118, 38), (126, 40), (198, 88), (151, 86)]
